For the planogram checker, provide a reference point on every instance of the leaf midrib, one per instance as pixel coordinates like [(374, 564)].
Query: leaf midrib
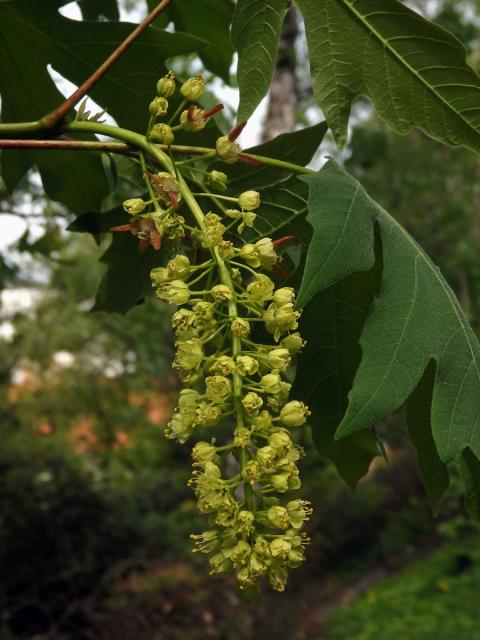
[(386, 45)]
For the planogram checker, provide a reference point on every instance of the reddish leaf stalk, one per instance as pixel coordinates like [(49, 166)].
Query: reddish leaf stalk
[(247, 159), (281, 271), (122, 227), (51, 119), (283, 242), (212, 111), (234, 133)]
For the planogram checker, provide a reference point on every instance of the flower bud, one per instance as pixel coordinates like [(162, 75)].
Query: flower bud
[(280, 481), (159, 276), (256, 565), (220, 292), (240, 327), (226, 250), (240, 553), (161, 133), (241, 437), (224, 365), (294, 483), (179, 428), (249, 253), (270, 383), (212, 471), (179, 267), (193, 88), (284, 295), (279, 320), (236, 276), (188, 376), (246, 365), (248, 220), (249, 200), (182, 320), (227, 150), (191, 120), (287, 465), (166, 85), (278, 516), (252, 402), (189, 354), (226, 512), (295, 558), (266, 251), (261, 288), (278, 359), (251, 472), (214, 229), (234, 214), (158, 107), (175, 292), (218, 180), (294, 414), (134, 206), (277, 577), (166, 187), (204, 452), (207, 414), (218, 387), (299, 511), (293, 343), (245, 520), (262, 549), (173, 224), (265, 457), (263, 421), (280, 548), (285, 388), (207, 541), (209, 498), (281, 442), (188, 400), (220, 564), (204, 312), (244, 579)]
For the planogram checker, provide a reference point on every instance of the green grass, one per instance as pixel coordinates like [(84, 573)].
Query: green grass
[(436, 598)]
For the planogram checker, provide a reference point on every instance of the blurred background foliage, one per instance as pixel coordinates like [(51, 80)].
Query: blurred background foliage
[(94, 509)]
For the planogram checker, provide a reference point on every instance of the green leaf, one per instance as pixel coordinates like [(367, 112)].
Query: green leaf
[(330, 257), (59, 170), (75, 49), (282, 212), (97, 223), (97, 9), (256, 30), (298, 147), (432, 469), (283, 196), (414, 319), (331, 324), (127, 279), (210, 21), (126, 282), (413, 71), (470, 470)]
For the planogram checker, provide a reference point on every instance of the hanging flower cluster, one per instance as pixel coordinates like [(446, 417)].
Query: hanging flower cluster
[(225, 300)]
